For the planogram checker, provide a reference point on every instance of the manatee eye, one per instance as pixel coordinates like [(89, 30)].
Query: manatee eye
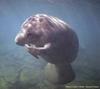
[(29, 35), (41, 19), (32, 35)]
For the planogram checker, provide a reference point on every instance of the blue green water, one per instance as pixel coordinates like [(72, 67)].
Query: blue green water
[(82, 15)]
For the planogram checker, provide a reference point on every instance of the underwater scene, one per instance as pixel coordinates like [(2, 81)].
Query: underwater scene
[(20, 70)]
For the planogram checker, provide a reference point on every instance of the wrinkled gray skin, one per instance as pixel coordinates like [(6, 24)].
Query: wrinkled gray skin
[(52, 39)]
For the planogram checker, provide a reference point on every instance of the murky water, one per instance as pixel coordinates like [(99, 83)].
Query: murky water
[(19, 70)]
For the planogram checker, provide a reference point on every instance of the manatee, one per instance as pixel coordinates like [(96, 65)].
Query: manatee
[(55, 41)]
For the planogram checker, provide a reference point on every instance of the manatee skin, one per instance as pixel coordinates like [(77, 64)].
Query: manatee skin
[(41, 29), (52, 39)]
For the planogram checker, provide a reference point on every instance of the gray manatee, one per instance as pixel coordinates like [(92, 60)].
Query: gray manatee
[(52, 39)]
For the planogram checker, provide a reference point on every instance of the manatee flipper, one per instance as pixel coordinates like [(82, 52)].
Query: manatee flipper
[(59, 73)]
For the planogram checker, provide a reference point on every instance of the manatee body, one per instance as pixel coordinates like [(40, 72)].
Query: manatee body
[(52, 39)]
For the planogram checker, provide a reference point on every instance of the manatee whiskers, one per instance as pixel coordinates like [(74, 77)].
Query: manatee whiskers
[(47, 45), (30, 45)]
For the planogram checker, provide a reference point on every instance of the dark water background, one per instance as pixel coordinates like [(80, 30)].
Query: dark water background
[(17, 65)]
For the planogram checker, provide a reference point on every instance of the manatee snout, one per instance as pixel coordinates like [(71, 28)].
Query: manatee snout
[(20, 39)]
